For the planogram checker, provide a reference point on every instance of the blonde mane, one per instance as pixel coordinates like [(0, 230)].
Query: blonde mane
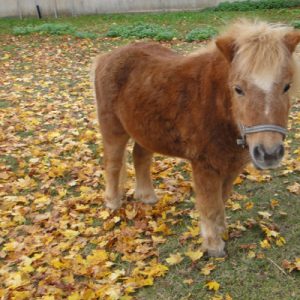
[(260, 50)]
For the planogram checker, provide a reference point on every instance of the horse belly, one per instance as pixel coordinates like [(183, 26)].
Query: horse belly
[(154, 132)]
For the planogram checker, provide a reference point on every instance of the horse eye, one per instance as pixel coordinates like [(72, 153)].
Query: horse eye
[(286, 88), (239, 91)]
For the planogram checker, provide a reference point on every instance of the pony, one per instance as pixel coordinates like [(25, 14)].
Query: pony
[(219, 108)]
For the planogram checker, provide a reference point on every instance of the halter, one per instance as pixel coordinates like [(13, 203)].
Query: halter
[(258, 128)]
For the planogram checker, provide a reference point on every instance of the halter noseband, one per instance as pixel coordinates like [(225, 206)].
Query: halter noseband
[(258, 128)]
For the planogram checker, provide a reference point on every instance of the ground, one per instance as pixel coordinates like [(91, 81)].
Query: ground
[(58, 241)]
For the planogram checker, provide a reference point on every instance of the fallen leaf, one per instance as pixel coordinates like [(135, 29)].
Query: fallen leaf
[(213, 285), (174, 259)]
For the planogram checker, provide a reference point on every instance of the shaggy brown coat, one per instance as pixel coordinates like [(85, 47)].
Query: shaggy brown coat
[(188, 106)]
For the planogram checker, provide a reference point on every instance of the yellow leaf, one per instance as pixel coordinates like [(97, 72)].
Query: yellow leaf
[(213, 285), (56, 263), (88, 295), (265, 244), (114, 292), (158, 239), (174, 259), (130, 214), (74, 296), (188, 281), (194, 255), (21, 295), (48, 298), (27, 269), (280, 241), (249, 205), (238, 180), (16, 280), (235, 206), (10, 246), (217, 297), (116, 274), (251, 254), (5, 56), (206, 270), (104, 214), (70, 234), (265, 214), (228, 297), (274, 203), (97, 256), (297, 263), (294, 188), (52, 135), (194, 231)]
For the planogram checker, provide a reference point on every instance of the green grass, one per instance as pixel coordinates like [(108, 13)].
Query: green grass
[(200, 34), (181, 22), (240, 276), (142, 30), (247, 5), (52, 29)]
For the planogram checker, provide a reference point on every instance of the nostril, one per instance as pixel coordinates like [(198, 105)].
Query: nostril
[(280, 151), (259, 152)]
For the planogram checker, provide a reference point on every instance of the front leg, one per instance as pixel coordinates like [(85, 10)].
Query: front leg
[(209, 201)]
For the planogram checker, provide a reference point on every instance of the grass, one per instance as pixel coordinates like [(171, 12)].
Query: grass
[(181, 22), (247, 5), (240, 276), (141, 30), (201, 34)]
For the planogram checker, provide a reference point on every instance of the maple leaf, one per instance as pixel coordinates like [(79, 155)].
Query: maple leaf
[(251, 254), (294, 188), (74, 296), (213, 285), (274, 203), (206, 270), (104, 214), (22, 295), (265, 214), (174, 259), (249, 205), (96, 257), (194, 255), (265, 244), (188, 281), (69, 233)]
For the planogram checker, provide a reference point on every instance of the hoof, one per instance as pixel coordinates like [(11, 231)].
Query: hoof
[(216, 253), (113, 204), (146, 198), (216, 250)]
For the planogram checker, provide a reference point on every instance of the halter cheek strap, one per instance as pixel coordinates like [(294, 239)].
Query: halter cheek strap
[(259, 128)]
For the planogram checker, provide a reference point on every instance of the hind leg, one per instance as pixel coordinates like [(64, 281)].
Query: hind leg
[(144, 190), (114, 141)]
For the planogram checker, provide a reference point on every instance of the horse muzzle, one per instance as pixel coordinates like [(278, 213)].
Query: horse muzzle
[(267, 158), (264, 155)]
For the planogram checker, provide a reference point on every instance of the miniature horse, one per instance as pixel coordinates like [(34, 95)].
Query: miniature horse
[(219, 108)]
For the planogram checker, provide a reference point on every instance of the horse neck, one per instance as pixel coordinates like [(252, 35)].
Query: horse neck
[(212, 72)]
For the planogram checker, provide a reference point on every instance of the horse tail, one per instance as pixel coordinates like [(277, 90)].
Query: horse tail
[(95, 71)]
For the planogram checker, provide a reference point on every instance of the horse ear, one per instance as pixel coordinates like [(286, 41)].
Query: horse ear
[(227, 46), (291, 40)]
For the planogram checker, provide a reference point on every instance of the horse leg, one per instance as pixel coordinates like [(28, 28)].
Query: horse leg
[(144, 190), (227, 187), (114, 142), (228, 184), (209, 201)]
